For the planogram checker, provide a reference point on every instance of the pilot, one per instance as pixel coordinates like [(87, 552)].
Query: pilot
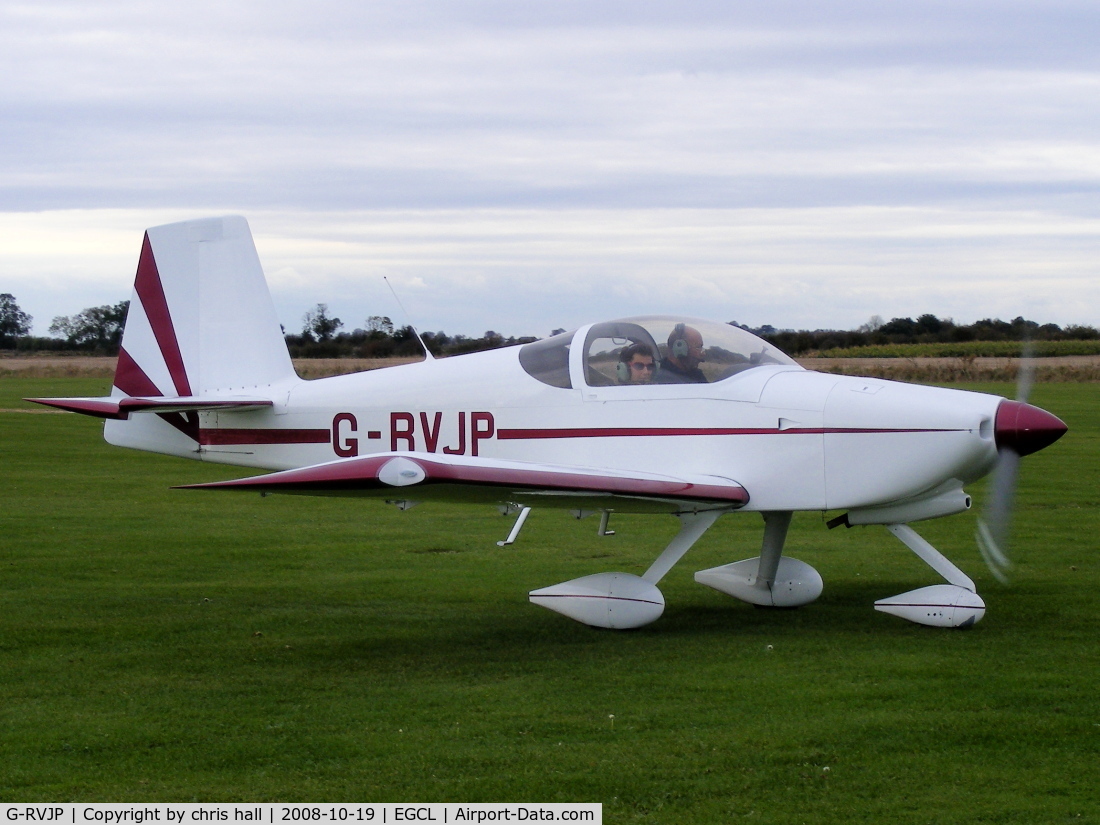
[(637, 365), (685, 353)]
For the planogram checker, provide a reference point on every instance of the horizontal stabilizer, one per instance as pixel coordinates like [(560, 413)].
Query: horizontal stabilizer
[(464, 478), (121, 407)]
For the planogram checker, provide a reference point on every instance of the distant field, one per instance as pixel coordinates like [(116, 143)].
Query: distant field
[(1066, 368), (172, 645), (81, 366), (968, 349), (905, 368)]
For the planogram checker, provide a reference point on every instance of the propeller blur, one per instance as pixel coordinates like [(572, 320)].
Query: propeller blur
[(1019, 429), (649, 415)]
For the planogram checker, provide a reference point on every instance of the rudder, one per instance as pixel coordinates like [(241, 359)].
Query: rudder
[(201, 319), (201, 325)]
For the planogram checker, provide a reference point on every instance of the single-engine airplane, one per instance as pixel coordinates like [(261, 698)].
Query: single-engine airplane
[(685, 417)]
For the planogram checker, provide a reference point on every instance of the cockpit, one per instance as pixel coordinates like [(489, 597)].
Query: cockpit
[(650, 350)]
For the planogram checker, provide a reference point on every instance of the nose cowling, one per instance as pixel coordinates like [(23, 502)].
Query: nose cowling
[(1026, 429)]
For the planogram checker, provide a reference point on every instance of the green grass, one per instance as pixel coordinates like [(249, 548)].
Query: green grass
[(170, 645)]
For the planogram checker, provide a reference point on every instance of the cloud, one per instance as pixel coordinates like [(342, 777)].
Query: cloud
[(795, 163), (524, 272)]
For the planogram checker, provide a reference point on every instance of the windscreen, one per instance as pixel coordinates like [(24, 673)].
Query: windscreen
[(680, 350)]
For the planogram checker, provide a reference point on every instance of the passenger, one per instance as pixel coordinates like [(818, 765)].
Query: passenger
[(637, 365), (685, 353)]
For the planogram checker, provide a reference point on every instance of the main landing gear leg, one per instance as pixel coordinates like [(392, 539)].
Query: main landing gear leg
[(775, 536), (955, 604), (770, 580), (692, 527), (524, 512), (623, 600)]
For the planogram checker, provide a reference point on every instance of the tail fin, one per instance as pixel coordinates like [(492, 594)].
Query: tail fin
[(201, 319), (201, 335), (201, 338)]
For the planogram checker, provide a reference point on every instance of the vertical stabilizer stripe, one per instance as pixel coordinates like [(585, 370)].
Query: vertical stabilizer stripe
[(151, 292), (131, 378)]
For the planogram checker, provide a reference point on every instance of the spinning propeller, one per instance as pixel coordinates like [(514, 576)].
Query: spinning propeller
[(1019, 429)]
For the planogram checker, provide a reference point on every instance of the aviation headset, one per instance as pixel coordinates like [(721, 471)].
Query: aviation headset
[(622, 369), (678, 341)]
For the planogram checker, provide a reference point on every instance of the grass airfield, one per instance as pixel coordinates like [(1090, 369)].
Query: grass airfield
[(172, 645)]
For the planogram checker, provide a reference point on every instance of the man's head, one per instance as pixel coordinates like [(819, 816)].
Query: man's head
[(685, 347), (637, 364)]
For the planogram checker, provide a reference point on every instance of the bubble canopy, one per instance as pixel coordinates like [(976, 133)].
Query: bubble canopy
[(684, 350)]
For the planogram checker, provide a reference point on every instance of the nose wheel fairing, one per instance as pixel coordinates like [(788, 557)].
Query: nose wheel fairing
[(955, 604), (940, 605)]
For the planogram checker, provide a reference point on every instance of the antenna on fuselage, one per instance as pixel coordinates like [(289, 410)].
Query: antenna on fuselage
[(419, 337)]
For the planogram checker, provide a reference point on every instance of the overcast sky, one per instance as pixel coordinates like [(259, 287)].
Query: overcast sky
[(521, 166)]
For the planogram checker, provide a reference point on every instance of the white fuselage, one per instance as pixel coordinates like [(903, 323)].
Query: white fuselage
[(795, 439)]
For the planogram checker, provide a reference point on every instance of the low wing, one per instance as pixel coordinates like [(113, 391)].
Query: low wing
[(121, 407), (429, 476)]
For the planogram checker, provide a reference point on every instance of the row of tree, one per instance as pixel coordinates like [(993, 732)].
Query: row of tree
[(95, 329), (99, 330), (927, 329), (321, 338)]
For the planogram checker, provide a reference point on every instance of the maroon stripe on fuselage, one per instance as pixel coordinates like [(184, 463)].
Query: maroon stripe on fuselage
[(151, 292), (505, 434), (223, 437)]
